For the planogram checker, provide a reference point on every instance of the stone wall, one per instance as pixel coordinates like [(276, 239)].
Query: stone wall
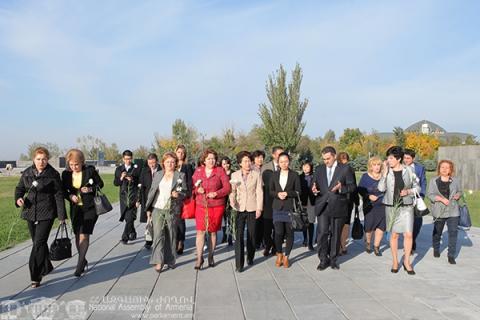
[(467, 164)]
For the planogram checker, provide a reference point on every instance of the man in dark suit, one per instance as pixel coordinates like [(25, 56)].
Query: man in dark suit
[(146, 177), (267, 172), (332, 183), (126, 177), (409, 160)]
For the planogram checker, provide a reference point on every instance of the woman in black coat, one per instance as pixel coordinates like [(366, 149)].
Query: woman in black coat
[(187, 169), (80, 183), (284, 189), (39, 193), (308, 201)]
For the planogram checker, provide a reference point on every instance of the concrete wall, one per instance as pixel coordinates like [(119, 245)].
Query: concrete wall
[(467, 164)]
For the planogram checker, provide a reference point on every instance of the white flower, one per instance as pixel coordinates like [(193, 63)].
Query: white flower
[(35, 183), (179, 189), (135, 166), (179, 181), (470, 191), (139, 185), (235, 182), (198, 183), (90, 181)]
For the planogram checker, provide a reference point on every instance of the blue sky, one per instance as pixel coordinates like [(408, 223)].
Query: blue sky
[(124, 70)]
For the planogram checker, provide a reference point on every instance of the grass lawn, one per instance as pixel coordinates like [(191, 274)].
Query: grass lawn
[(10, 215)]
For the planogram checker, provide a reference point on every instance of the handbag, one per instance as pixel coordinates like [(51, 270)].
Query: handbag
[(188, 210), (61, 248), (420, 208), (464, 222), (149, 231), (357, 227), (102, 204), (299, 216)]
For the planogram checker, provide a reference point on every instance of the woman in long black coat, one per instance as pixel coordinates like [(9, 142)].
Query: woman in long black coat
[(80, 183), (39, 193)]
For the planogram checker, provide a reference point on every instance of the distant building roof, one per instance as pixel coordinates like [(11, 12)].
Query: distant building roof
[(426, 127)]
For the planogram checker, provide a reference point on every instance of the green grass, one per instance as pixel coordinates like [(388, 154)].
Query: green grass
[(10, 215)]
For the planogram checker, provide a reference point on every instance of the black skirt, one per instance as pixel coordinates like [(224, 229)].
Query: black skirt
[(376, 219), (83, 220)]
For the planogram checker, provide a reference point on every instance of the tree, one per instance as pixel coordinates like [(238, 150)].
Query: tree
[(329, 137), (352, 142), (91, 146), (52, 148), (424, 145), (471, 140), (399, 135), (282, 115), (141, 152)]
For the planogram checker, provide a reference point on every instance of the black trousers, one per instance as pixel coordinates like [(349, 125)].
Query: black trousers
[(39, 262), (247, 219), (181, 229), (267, 234), (129, 232), (283, 230), (329, 231), (258, 232), (417, 225), (452, 225), (308, 231)]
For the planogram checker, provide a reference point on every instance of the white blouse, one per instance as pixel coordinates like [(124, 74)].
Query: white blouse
[(164, 190), (283, 179)]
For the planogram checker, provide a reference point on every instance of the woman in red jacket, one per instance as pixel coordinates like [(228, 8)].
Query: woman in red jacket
[(210, 187)]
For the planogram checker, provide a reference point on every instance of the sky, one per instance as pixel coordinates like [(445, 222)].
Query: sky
[(125, 70)]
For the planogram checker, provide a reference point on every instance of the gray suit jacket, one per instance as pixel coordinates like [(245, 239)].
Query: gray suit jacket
[(176, 203), (438, 209), (387, 185)]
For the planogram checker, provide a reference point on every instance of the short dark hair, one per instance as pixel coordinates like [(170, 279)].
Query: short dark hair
[(343, 156), (258, 153), (329, 149), (308, 163), (284, 154), (226, 159), (409, 152), (152, 156), (395, 151), (127, 153), (243, 154), (276, 148)]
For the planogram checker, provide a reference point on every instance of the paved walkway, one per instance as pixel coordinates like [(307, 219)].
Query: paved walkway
[(121, 285)]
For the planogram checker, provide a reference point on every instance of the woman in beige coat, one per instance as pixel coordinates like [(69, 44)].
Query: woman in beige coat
[(247, 199)]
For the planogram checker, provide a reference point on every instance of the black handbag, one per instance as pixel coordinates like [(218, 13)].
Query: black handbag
[(298, 216), (102, 204), (61, 248), (357, 228)]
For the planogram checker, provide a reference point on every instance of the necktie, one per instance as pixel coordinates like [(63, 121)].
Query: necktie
[(329, 175)]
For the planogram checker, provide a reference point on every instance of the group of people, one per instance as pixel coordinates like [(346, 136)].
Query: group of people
[(258, 200)]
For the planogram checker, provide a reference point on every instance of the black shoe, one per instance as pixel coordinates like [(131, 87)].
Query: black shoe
[(377, 251), (451, 260), (199, 265), (81, 268), (367, 248), (211, 262), (436, 254), (230, 241), (304, 243), (132, 236), (322, 266), (148, 246), (239, 269), (250, 262), (310, 247), (124, 241), (334, 265), (410, 272)]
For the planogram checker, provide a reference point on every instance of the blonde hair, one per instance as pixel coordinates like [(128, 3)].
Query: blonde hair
[(371, 162), (450, 163), (167, 155), (75, 154)]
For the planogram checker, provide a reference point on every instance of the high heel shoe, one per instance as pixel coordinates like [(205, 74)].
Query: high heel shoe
[(35, 284), (367, 247), (393, 270), (410, 272), (377, 252), (198, 266), (81, 268), (211, 262)]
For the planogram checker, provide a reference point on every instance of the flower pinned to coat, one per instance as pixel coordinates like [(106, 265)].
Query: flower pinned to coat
[(235, 182), (198, 183), (35, 183), (135, 166), (415, 177), (90, 182), (179, 185)]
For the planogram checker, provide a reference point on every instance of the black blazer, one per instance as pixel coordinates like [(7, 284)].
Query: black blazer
[(306, 190), (146, 181), (292, 188), (88, 172), (125, 203), (188, 170), (46, 200), (333, 204)]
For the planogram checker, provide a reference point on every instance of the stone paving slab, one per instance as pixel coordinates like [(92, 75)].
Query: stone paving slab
[(122, 285)]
